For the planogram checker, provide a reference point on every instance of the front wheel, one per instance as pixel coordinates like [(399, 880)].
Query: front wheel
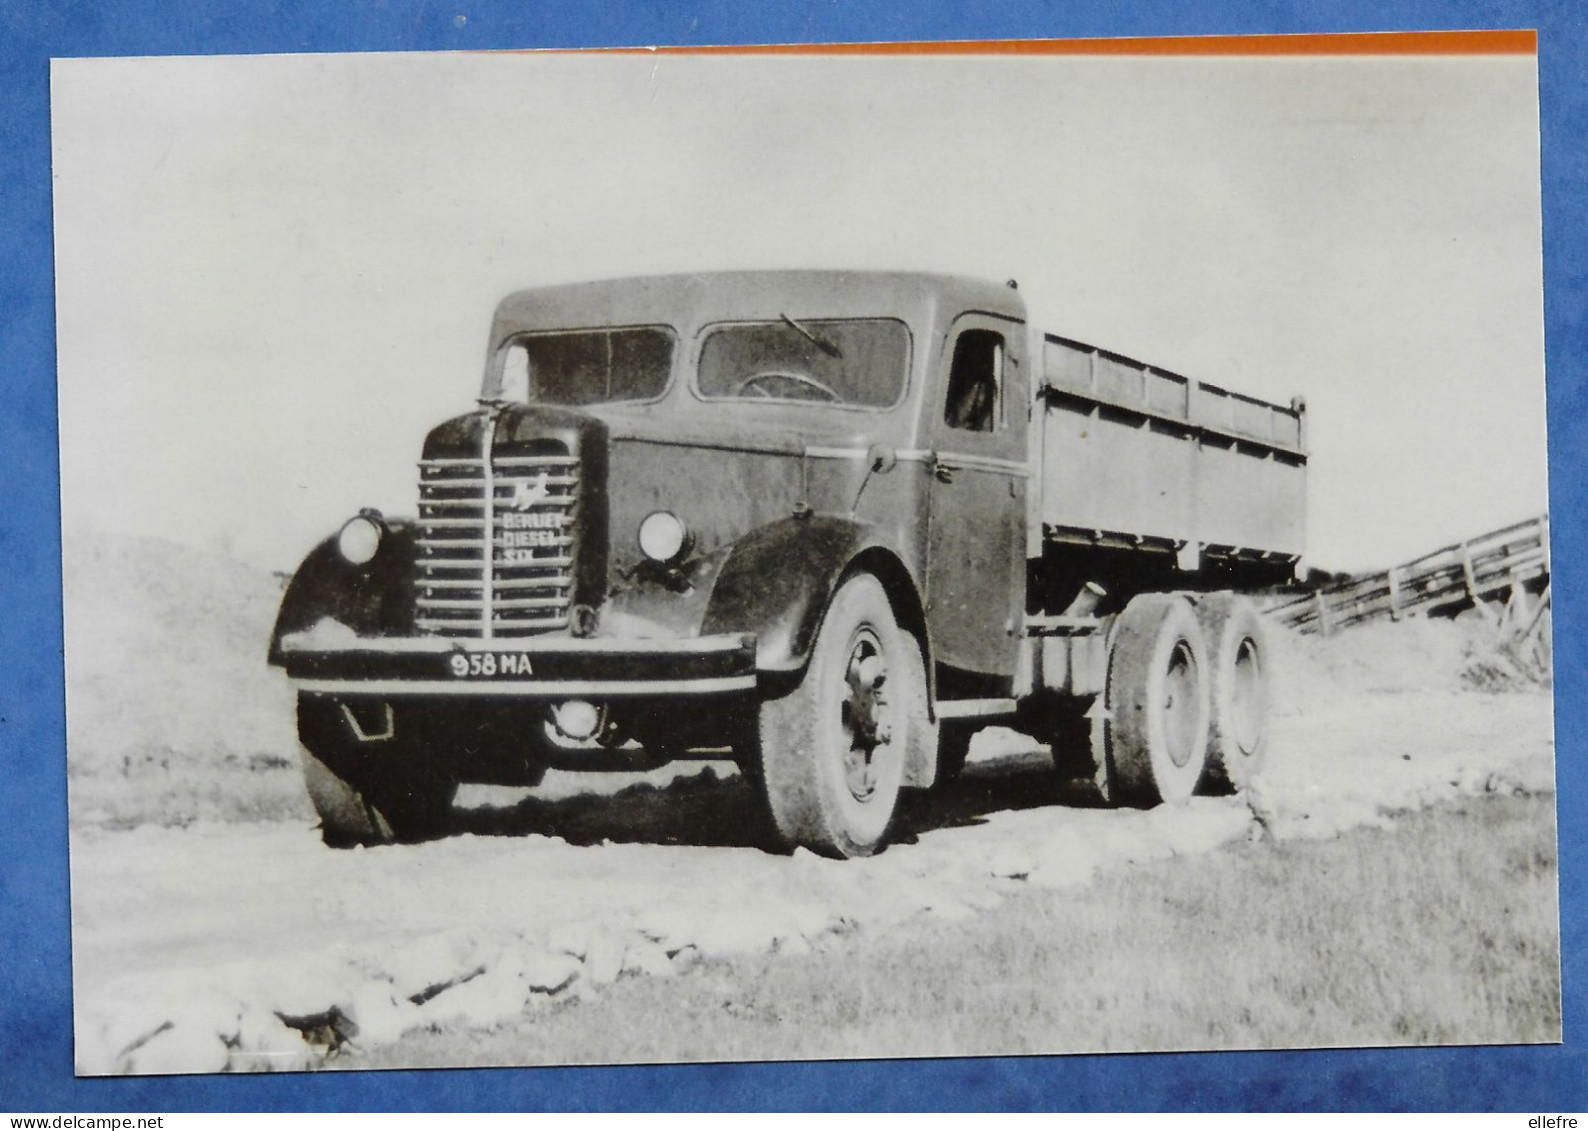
[(832, 751), (369, 790)]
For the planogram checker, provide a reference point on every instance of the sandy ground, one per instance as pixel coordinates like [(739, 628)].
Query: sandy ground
[(192, 944)]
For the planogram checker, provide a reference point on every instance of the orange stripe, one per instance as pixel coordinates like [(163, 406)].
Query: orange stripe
[(1524, 42)]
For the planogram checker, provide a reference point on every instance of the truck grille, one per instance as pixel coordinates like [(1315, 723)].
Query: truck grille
[(496, 546)]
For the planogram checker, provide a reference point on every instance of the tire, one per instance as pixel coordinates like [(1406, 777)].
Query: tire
[(1238, 690), (1158, 703), (364, 798), (832, 751), (953, 747)]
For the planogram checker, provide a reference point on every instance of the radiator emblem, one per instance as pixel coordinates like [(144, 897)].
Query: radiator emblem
[(527, 494)]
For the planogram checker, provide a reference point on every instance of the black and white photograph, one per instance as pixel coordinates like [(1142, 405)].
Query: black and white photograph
[(611, 557)]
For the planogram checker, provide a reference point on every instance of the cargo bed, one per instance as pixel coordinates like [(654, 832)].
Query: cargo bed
[(1133, 455)]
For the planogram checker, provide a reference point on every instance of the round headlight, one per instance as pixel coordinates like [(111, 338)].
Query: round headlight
[(576, 719), (359, 538), (663, 536)]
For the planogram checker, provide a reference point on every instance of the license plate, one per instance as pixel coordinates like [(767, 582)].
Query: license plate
[(485, 665)]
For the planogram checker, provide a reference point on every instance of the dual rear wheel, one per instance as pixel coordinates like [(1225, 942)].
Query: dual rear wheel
[(1187, 698), (1185, 711)]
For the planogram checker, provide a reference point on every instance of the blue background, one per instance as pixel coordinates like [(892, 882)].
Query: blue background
[(35, 972)]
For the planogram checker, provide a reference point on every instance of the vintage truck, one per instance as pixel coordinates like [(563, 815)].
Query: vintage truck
[(826, 524)]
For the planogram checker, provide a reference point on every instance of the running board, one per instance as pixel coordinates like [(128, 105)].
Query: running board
[(974, 708)]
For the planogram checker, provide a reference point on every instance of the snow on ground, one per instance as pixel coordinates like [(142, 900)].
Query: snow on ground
[(241, 942), (251, 946)]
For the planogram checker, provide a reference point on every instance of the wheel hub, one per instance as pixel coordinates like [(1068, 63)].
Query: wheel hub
[(867, 719), (1179, 707), (1248, 698)]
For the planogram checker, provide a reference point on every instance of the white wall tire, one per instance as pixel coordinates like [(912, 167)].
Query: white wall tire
[(1238, 680), (833, 750), (1158, 703)]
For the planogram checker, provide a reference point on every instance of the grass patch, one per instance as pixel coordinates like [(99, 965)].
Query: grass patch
[(1441, 930), (173, 716), (158, 784)]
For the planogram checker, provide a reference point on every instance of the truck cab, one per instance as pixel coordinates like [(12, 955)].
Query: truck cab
[(791, 517)]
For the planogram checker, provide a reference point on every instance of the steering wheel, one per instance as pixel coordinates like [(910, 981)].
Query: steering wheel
[(786, 375)]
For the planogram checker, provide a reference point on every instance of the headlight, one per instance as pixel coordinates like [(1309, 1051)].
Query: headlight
[(360, 537), (576, 719), (663, 537)]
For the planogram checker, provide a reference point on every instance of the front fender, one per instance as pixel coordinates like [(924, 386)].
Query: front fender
[(374, 599), (777, 580)]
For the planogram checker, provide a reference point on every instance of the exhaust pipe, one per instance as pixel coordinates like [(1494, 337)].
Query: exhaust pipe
[(1086, 601)]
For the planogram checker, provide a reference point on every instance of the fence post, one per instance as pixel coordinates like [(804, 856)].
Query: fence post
[(1471, 579)]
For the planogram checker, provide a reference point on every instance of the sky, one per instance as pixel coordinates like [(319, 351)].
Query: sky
[(275, 273)]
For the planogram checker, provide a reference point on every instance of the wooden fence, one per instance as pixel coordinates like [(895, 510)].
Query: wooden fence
[(1489, 568)]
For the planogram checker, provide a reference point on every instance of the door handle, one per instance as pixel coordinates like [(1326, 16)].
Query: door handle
[(943, 472)]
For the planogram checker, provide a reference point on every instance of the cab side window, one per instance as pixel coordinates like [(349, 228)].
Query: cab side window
[(975, 382)]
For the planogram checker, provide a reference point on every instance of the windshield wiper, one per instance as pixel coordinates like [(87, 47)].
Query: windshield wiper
[(820, 343)]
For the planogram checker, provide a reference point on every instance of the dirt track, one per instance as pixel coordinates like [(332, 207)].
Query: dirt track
[(189, 942)]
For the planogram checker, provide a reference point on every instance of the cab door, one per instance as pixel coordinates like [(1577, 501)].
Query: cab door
[(977, 499)]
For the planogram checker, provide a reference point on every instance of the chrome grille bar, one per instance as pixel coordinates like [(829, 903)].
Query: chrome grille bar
[(501, 603), (487, 569), (452, 544), (559, 620), (537, 582), (509, 583), (537, 461)]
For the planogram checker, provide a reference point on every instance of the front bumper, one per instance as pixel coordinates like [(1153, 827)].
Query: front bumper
[(538, 667)]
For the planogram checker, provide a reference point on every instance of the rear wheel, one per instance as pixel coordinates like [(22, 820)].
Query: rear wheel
[(375, 790), (1238, 684), (832, 751), (1158, 702)]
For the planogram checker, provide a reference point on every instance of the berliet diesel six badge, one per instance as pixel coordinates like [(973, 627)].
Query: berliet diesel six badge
[(523, 528)]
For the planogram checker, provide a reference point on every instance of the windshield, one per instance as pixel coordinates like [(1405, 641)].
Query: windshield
[(578, 367), (835, 361)]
